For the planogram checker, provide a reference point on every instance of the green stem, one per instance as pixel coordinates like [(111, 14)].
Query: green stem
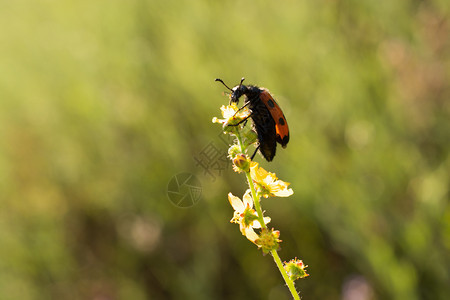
[(274, 253), (251, 184), (256, 201), (286, 278)]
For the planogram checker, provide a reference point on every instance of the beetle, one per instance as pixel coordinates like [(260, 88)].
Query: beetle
[(269, 122)]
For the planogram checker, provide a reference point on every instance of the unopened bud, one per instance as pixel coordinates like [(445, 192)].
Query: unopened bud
[(241, 163)]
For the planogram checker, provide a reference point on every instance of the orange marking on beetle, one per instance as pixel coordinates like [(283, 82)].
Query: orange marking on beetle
[(281, 125)]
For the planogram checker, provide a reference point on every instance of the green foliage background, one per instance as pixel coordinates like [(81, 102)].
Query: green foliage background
[(103, 102)]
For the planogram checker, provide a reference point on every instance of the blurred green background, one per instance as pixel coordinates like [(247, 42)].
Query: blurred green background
[(103, 102)]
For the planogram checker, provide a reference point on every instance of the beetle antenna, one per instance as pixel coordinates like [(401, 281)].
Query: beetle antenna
[(220, 80), (242, 80)]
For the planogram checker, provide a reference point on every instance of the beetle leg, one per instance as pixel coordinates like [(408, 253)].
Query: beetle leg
[(254, 153), (247, 104), (240, 122)]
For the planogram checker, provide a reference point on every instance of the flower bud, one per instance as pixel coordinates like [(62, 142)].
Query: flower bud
[(233, 151), (268, 240), (295, 269), (241, 163)]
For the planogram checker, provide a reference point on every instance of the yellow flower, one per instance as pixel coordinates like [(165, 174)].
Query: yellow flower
[(231, 115), (245, 215), (268, 184)]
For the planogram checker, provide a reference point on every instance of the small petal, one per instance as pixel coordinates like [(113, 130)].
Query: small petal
[(257, 225), (248, 200), (236, 203), (284, 193), (251, 234)]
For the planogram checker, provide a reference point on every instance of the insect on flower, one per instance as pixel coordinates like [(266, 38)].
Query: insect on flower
[(269, 122)]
